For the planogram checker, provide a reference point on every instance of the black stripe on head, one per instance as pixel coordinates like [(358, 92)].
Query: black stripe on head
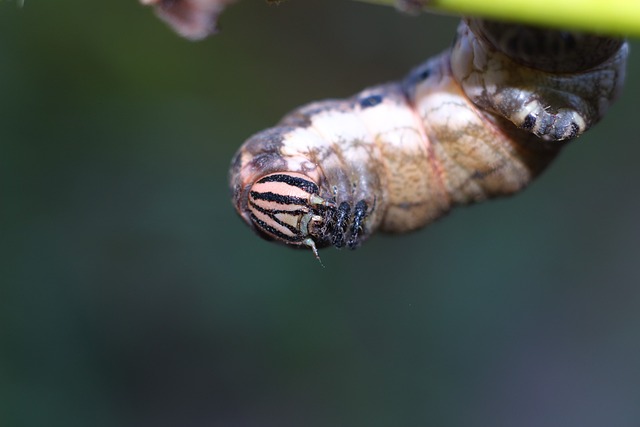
[(278, 198), (272, 215), (277, 211), (295, 181), (276, 233)]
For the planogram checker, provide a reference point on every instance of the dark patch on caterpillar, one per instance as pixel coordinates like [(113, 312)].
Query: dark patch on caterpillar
[(415, 77), (529, 122), (575, 129), (424, 74), (267, 162), (268, 141), (302, 117), (371, 101)]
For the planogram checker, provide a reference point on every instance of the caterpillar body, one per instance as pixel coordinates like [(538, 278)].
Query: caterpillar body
[(478, 121)]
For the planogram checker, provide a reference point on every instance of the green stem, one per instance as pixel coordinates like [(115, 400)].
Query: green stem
[(613, 17)]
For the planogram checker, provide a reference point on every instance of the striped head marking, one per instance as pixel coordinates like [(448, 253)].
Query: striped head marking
[(286, 206)]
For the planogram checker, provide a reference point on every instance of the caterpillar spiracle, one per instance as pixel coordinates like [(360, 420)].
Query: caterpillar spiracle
[(477, 121)]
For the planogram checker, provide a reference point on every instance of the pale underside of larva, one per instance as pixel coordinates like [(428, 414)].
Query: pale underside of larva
[(470, 124)]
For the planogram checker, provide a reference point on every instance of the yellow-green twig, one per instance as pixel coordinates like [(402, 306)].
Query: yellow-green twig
[(613, 17)]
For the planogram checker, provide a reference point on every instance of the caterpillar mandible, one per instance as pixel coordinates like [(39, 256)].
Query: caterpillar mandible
[(478, 121)]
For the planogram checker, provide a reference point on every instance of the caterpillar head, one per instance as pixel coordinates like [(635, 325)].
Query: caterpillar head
[(285, 206), (289, 186)]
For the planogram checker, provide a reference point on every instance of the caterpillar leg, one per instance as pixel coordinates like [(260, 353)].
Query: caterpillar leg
[(554, 84), (357, 225), (341, 223)]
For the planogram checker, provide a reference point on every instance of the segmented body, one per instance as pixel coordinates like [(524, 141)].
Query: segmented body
[(475, 122)]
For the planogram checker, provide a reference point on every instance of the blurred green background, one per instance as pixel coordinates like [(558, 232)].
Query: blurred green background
[(132, 295)]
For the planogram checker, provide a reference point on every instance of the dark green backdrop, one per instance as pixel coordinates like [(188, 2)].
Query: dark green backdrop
[(132, 295)]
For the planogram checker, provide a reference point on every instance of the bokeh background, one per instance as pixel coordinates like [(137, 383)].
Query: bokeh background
[(132, 295)]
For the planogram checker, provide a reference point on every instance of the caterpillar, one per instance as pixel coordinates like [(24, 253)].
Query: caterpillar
[(480, 120)]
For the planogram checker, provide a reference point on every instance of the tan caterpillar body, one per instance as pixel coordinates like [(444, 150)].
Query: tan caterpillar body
[(475, 122)]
